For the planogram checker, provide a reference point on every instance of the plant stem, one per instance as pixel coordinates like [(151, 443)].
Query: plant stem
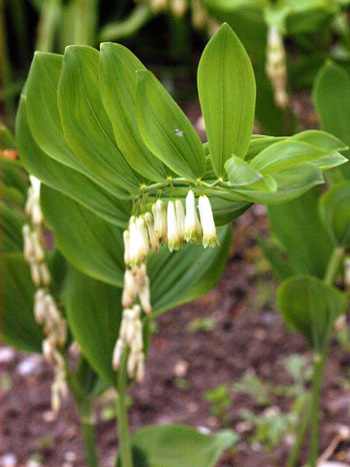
[(302, 428), (122, 416), (333, 265), (87, 424), (319, 365)]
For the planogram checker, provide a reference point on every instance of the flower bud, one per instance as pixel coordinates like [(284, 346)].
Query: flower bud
[(174, 241), (28, 249), (207, 220), (178, 7), (139, 247), (45, 274), (151, 231), (160, 221), (126, 239), (199, 15), (130, 289), (193, 228), (35, 272), (39, 306), (157, 6), (145, 296), (144, 243), (38, 249), (117, 353)]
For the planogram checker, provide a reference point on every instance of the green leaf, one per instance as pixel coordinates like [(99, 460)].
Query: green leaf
[(260, 142), (310, 307), (297, 229), (285, 154), (68, 181), (226, 88), (291, 183), (17, 325), (11, 221), (91, 244), (335, 213), (240, 173), (226, 211), (321, 139), (175, 445), (331, 96), (94, 312), (185, 275), (166, 130), (44, 118), (86, 125), (118, 88)]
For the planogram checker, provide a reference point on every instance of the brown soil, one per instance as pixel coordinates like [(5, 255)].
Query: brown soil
[(249, 335)]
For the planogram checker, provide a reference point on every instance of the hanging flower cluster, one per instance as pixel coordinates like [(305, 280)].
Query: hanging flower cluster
[(276, 68), (46, 311), (169, 225)]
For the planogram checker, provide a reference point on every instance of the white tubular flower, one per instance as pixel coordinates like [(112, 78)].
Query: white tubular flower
[(38, 249), (151, 231), (29, 251), (34, 207), (207, 220), (45, 274), (35, 272), (180, 218), (145, 296), (140, 368), (130, 289), (133, 242), (39, 306), (199, 14), (193, 228), (126, 238), (174, 241), (160, 221), (117, 353), (143, 240), (276, 68)]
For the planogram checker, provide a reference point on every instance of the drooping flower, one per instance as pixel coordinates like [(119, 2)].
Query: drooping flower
[(151, 231), (193, 229), (160, 221), (207, 220), (174, 240), (180, 218)]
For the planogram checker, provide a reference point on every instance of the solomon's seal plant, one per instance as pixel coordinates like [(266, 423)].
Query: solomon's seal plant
[(134, 199)]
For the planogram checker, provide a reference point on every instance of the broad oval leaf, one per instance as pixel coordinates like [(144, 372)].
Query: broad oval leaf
[(335, 213), (175, 445), (62, 178), (226, 87), (311, 307), (94, 312), (11, 222), (17, 324), (118, 89), (91, 244), (166, 130), (185, 275), (331, 95), (85, 122), (285, 154), (44, 118)]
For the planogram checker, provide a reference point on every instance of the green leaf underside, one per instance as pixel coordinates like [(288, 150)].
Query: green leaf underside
[(66, 180), (86, 125), (335, 213), (91, 244), (291, 183), (175, 445), (17, 325), (118, 66), (310, 307), (226, 87), (240, 173), (166, 130), (44, 118)]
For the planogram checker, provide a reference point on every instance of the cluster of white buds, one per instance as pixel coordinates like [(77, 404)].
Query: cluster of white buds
[(136, 285), (46, 311), (276, 68), (131, 334)]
